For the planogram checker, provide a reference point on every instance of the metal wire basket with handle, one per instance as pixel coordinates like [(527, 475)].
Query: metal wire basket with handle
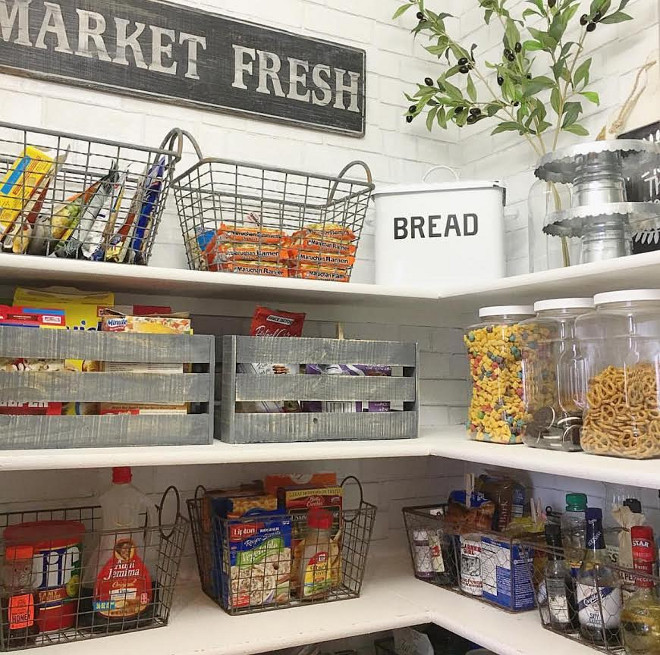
[(246, 218), (77, 197), (66, 579), (255, 562)]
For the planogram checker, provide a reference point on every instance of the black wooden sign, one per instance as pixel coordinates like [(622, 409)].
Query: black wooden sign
[(645, 187), (173, 53)]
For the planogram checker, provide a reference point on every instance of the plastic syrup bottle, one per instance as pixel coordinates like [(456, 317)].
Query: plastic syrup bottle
[(123, 588), (316, 569)]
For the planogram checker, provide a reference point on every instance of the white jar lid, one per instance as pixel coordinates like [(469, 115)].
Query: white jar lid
[(506, 310), (630, 295), (564, 303)]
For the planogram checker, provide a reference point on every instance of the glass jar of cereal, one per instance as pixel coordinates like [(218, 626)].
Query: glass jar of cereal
[(495, 346), (620, 348), (552, 375)]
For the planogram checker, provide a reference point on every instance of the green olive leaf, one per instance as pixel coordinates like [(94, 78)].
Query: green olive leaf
[(471, 91)]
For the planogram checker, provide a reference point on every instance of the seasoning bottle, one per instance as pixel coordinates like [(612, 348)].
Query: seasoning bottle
[(315, 569), (422, 547), (559, 583), (574, 528), (598, 589), (19, 597), (640, 619)]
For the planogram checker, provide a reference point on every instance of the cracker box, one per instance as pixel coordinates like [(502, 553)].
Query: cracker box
[(257, 567), (115, 321), (297, 501)]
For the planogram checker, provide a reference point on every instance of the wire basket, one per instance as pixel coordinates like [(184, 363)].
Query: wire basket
[(615, 623), (76, 197), (246, 218), (51, 594), (251, 564), (481, 564)]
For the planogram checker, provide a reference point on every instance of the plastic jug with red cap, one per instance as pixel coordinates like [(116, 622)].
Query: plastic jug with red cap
[(123, 588)]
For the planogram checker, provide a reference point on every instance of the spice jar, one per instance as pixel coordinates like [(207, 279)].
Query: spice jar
[(619, 346), (553, 376), (495, 346)]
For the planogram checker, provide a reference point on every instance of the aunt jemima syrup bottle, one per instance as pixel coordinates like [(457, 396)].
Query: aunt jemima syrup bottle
[(123, 588)]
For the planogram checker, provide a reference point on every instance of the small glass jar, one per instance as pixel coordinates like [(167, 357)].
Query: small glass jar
[(619, 346), (495, 346), (552, 375)]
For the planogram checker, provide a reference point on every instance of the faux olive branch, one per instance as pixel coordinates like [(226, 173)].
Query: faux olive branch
[(526, 102)]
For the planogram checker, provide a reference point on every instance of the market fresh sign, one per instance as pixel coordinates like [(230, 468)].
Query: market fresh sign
[(171, 53)]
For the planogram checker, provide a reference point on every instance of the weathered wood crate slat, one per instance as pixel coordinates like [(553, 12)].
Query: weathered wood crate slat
[(21, 432), (250, 427)]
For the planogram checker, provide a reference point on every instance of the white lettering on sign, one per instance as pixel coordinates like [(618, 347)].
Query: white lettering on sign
[(126, 40), (91, 26), (19, 11), (53, 23)]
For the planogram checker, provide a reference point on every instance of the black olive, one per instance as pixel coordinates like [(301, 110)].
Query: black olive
[(507, 52), (597, 16), (428, 81), (412, 109), (409, 119), (464, 69), (511, 57), (591, 27), (552, 3), (518, 47), (458, 110), (420, 15), (471, 119), (529, 76), (463, 61), (500, 80), (475, 111), (584, 19), (516, 104)]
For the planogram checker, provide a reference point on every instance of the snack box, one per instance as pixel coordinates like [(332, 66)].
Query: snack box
[(257, 571), (297, 501), (292, 480), (31, 318), (116, 321)]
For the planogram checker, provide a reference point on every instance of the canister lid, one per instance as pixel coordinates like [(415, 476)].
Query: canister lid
[(506, 310), (423, 187), (629, 295), (563, 303)]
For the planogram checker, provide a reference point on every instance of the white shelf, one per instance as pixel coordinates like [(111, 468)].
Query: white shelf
[(586, 279), (450, 443), (391, 598)]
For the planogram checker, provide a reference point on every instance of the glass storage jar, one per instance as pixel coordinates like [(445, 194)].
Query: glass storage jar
[(495, 346), (619, 347), (552, 376)]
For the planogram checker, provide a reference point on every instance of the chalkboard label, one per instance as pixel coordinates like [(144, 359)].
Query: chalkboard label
[(175, 54)]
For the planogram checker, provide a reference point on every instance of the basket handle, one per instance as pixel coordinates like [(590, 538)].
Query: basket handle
[(175, 491), (352, 478), (345, 170), (177, 135), (440, 168)]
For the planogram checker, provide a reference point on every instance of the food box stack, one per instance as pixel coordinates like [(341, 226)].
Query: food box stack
[(321, 251)]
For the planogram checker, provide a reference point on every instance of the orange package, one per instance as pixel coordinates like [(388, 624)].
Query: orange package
[(252, 268), (323, 479), (327, 259), (323, 244), (247, 252), (246, 234), (326, 231), (323, 273)]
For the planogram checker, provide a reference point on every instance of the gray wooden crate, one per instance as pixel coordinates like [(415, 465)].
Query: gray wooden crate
[(17, 432), (233, 387)]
